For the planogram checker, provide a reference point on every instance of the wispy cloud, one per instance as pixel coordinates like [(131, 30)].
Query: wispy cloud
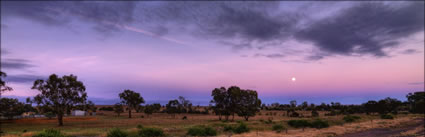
[(416, 83)]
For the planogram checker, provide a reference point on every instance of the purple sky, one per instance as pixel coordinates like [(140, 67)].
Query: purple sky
[(349, 52)]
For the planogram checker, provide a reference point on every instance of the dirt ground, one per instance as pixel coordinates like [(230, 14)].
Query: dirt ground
[(414, 129)]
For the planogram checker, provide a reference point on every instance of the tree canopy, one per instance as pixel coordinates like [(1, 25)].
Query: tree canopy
[(60, 94), (131, 99)]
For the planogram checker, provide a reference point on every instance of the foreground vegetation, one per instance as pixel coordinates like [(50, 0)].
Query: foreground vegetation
[(60, 95)]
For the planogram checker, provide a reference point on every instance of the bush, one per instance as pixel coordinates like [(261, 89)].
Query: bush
[(318, 123), (386, 116), (278, 128), (184, 118), (49, 133), (227, 128), (151, 132), (139, 126), (201, 131), (294, 114), (298, 123), (106, 109), (314, 113), (350, 118), (116, 132), (241, 128)]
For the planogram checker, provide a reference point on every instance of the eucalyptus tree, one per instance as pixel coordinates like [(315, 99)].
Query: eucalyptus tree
[(131, 99), (3, 86), (118, 108), (59, 94)]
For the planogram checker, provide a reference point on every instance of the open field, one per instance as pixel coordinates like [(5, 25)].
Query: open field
[(99, 125)]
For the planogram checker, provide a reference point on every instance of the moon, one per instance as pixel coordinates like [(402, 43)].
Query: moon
[(293, 79)]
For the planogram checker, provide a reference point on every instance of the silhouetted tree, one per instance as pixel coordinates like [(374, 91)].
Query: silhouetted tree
[(3, 86), (220, 102), (293, 103), (371, 107), (149, 109), (11, 107), (59, 93), (185, 104), (416, 102), (118, 108), (249, 104), (131, 99), (173, 107), (388, 105)]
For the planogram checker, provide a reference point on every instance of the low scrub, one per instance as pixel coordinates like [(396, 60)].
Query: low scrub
[(227, 128), (116, 132), (49, 133), (350, 118), (151, 132), (241, 128), (201, 131), (318, 123), (386, 116), (278, 128)]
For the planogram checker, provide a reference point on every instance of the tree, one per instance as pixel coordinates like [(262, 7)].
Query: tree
[(249, 104), (388, 105), (149, 109), (3, 86), (416, 102), (220, 102), (118, 108), (293, 103), (173, 107), (87, 106), (11, 107), (185, 104), (131, 99), (371, 107), (60, 94)]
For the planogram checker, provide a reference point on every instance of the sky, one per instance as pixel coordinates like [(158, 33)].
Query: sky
[(348, 52)]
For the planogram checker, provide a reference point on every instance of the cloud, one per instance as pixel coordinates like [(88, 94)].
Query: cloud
[(275, 55), (409, 51), (62, 13), (16, 64), (352, 29), (416, 83), (366, 28), (22, 78)]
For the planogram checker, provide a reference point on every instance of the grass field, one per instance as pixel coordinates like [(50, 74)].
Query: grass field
[(100, 124)]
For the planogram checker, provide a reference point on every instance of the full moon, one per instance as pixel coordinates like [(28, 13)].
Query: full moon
[(293, 79)]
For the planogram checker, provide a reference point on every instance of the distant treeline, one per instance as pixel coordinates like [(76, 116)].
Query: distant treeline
[(60, 95)]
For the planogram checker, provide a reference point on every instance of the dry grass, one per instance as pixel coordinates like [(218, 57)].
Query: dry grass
[(99, 125)]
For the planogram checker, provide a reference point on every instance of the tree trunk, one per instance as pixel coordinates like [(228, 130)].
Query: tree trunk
[(219, 117), (129, 113), (60, 116), (233, 117), (246, 118)]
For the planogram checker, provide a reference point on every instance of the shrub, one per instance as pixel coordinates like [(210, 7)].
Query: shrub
[(184, 118), (151, 132), (318, 123), (269, 121), (294, 114), (278, 128), (350, 118), (139, 126), (49, 133), (24, 130), (201, 131), (241, 128), (299, 123), (386, 116), (116, 132), (314, 113), (227, 128)]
